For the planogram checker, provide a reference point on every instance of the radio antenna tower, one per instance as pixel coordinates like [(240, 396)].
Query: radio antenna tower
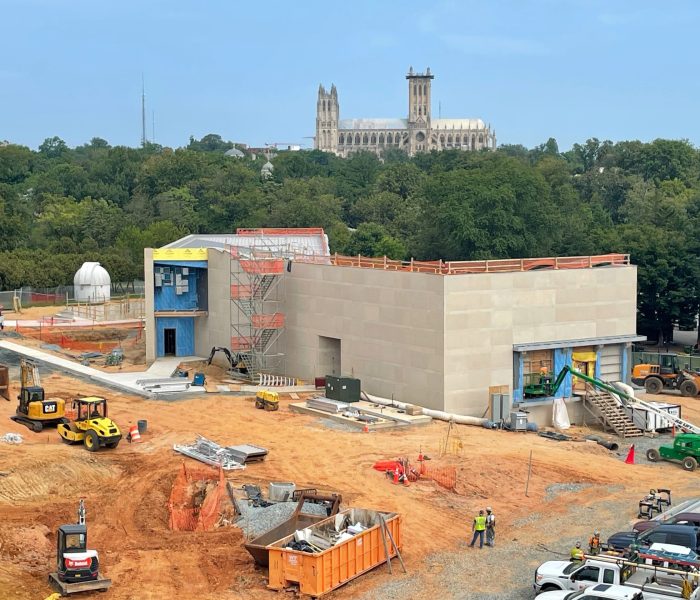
[(143, 111)]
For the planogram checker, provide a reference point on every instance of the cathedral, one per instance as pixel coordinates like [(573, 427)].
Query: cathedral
[(419, 132)]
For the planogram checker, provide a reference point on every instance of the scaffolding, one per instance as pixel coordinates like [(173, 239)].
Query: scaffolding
[(256, 295)]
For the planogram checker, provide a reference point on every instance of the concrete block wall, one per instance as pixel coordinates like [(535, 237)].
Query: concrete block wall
[(486, 314), (390, 325)]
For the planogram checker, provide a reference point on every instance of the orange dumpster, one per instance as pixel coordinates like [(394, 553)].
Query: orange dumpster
[(317, 573)]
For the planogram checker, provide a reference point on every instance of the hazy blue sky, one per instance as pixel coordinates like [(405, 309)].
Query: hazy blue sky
[(570, 69)]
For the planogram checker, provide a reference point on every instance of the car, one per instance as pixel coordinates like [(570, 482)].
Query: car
[(687, 536), (683, 518), (602, 591)]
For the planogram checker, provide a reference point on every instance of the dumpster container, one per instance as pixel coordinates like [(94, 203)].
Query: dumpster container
[(317, 573), (257, 547)]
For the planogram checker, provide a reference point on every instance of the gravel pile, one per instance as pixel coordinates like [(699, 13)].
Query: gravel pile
[(641, 445), (255, 521), (552, 491)]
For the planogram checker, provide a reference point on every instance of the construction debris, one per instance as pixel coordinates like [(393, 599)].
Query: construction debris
[(164, 385), (327, 405), (11, 438), (211, 453)]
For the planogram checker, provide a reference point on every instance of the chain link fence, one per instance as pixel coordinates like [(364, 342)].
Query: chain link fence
[(26, 297)]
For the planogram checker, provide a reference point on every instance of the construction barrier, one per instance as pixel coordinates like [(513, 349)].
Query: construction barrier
[(444, 476), (188, 512), (275, 380)]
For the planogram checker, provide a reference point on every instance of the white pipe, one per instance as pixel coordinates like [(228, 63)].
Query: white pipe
[(435, 414)]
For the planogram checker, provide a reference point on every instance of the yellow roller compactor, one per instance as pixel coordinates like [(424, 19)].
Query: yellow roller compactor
[(91, 425)]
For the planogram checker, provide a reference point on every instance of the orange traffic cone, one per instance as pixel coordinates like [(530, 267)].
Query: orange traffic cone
[(365, 429), (405, 480), (396, 476), (630, 456), (134, 435)]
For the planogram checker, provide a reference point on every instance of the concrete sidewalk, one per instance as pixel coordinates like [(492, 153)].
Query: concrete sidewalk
[(126, 382)]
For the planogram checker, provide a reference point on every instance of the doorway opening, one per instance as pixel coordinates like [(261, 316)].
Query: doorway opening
[(169, 344), (329, 356)]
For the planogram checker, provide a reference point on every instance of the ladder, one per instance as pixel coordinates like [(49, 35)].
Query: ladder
[(611, 412)]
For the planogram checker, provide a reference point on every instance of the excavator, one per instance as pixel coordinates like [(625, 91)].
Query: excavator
[(237, 364), (34, 410)]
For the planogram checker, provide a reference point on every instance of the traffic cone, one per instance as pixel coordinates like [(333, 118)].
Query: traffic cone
[(630, 456), (365, 429), (396, 476), (134, 435)]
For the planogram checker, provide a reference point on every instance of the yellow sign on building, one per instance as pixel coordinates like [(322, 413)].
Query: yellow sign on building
[(180, 254)]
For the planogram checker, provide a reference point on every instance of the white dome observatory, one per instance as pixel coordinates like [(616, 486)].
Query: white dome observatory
[(92, 283)]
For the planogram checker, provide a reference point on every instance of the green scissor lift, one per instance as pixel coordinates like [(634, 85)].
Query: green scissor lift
[(542, 385)]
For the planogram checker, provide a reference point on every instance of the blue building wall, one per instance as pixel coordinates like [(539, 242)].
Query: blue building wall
[(166, 296), (184, 335)]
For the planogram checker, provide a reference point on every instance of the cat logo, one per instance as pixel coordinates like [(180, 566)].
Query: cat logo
[(49, 407)]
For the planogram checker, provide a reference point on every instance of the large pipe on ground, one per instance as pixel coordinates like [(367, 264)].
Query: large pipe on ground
[(435, 414)]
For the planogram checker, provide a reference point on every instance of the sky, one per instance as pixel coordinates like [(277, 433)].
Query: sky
[(250, 71)]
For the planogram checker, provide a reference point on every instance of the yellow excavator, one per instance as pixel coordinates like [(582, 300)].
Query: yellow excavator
[(34, 410), (91, 426)]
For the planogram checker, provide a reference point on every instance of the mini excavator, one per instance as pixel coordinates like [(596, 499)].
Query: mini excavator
[(34, 410), (77, 568)]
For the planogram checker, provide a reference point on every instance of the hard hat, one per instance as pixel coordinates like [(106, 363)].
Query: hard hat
[(489, 509), (596, 532), (578, 544)]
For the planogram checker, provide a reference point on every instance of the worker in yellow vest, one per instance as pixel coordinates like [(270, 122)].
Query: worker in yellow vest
[(478, 527), (577, 552)]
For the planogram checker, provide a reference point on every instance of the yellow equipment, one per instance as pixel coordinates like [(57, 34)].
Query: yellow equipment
[(91, 425), (267, 400), (34, 410)]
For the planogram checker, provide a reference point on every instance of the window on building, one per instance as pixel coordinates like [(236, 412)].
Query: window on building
[(449, 140), (537, 373), (481, 139), (425, 90), (341, 139), (365, 139), (389, 139), (357, 139), (381, 138), (442, 139), (374, 139), (457, 141)]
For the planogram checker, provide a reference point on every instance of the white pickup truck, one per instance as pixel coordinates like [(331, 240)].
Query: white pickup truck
[(573, 576)]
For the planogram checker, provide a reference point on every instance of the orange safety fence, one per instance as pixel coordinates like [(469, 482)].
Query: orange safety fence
[(440, 267), (273, 321), (241, 291), (444, 476), (187, 513), (263, 266)]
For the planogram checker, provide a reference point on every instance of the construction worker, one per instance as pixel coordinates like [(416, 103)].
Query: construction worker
[(478, 527), (490, 527), (594, 543), (577, 552)]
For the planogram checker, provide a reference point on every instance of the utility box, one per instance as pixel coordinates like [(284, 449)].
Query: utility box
[(501, 406), (518, 421), (343, 389)]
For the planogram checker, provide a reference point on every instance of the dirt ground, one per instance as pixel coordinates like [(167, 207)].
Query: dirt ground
[(126, 491)]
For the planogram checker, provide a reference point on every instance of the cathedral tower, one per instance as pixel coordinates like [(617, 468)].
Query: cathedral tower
[(419, 110), (327, 112)]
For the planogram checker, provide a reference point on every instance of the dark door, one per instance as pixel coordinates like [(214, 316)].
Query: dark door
[(169, 346)]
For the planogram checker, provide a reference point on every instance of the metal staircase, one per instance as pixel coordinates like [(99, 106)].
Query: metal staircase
[(610, 412)]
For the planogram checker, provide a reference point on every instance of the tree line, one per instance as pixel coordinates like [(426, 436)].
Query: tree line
[(60, 206)]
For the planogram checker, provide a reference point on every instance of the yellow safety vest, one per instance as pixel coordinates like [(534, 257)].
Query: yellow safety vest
[(479, 523)]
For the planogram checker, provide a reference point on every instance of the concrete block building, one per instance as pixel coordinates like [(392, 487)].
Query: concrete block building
[(437, 334)]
